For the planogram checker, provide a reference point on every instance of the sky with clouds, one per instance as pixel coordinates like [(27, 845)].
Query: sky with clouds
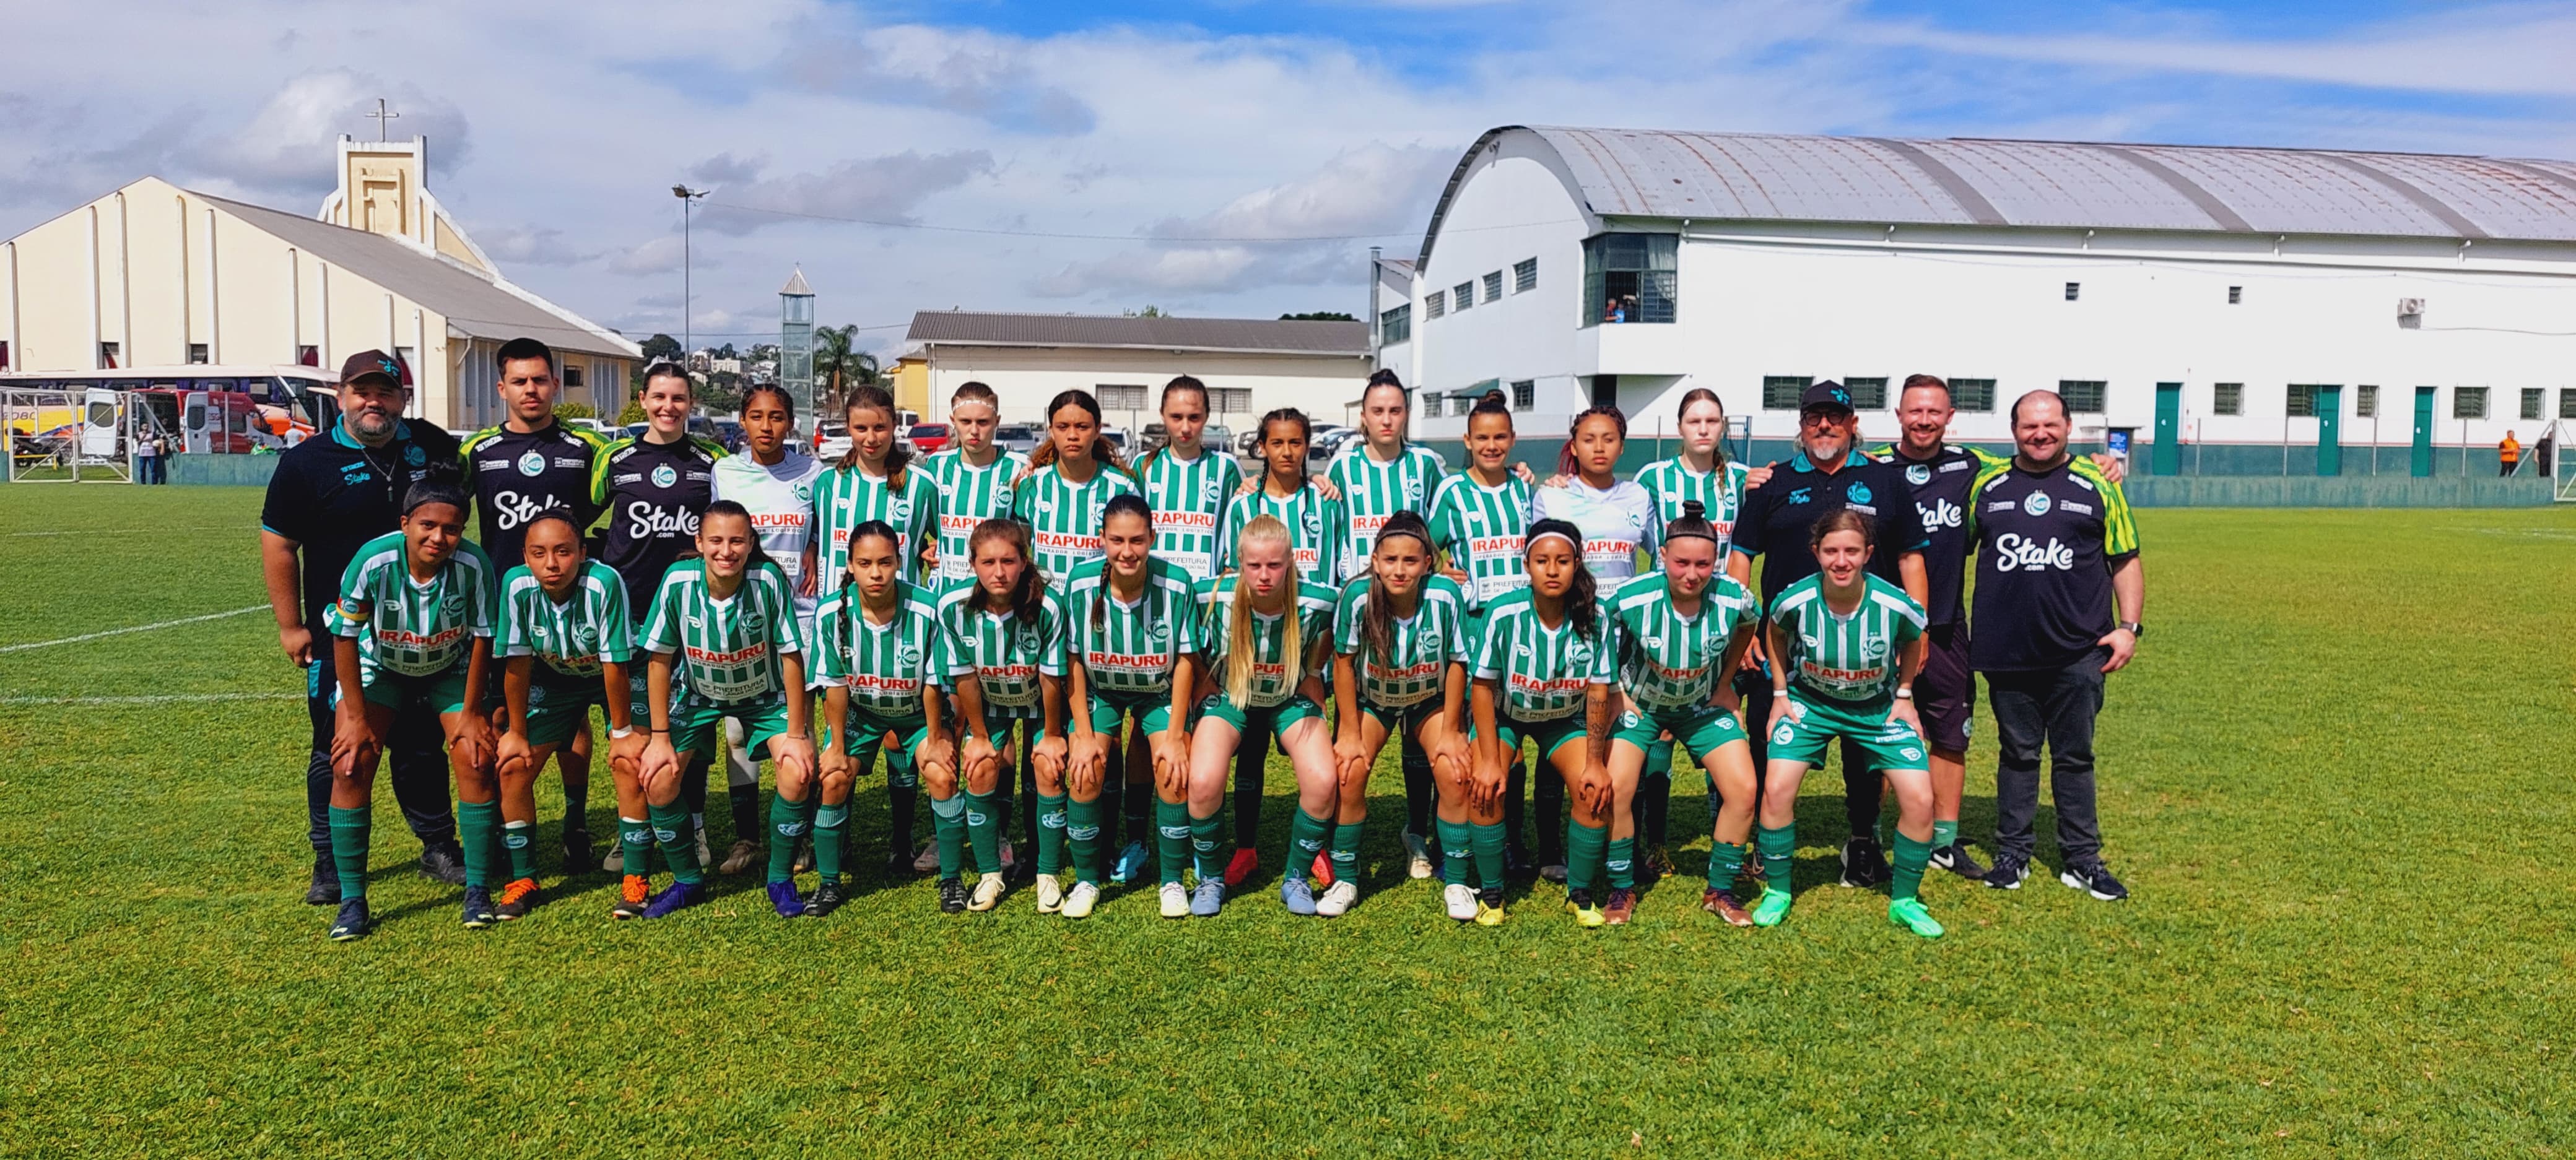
[(1211, 159)]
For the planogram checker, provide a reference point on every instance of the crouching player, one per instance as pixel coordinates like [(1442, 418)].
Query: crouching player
[(1399, 670), (1546, 670), (565, 639), (1133, 635), (412, 635), (875, 640)]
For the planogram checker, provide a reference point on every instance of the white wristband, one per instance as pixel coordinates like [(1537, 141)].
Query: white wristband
[(1905, 692), (620, 734)]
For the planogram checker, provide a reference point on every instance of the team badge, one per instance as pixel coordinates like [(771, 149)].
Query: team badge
[(753, 621), (804, 493), (907, 656), (1873, 647), (414, 456), (1629, 720), (1159, 630), (663, 476), (1046, 507), (899, 512), (2036, 503), (1314, 524), (1212, 492), (1910, 753), (1413, 491), (584, 640), (1579, 653), (1918, 474), (1799, 496), (1521, 652), (1785, 734), (455, 603), (1858, 491), (532, 464)]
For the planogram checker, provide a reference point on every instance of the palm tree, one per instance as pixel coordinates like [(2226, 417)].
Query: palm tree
[(839, 364)]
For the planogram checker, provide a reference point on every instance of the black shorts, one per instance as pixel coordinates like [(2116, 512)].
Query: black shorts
[(1945, 692)]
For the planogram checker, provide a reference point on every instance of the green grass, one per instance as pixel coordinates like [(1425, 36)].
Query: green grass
[(2335, 782)]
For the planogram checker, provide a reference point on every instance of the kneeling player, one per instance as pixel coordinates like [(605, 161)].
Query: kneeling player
[(1003, 635), (566, 640), (1133, 633), (1545, 671), (875, 639)]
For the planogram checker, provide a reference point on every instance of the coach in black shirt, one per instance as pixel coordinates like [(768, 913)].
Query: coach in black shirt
[(330, 495), (1828, 475)]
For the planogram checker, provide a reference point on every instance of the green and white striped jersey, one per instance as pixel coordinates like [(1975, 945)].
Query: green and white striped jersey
[(1189, 498), (1719, 493), (404, 626), (572, 636), (1006, 656), (1129, 649), (1420, 648), (969, 495), (1372, 491), (729, 649), (1541, 673), (1482, 528), (845, 497), (1271, 685), (1064, 517), (1312, 541), (1667, 660), (1851, 660), (883, 665)]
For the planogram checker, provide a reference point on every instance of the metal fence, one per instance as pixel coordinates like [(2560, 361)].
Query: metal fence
[(63, 436)]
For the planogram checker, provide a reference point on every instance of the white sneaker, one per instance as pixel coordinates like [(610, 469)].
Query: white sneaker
[(927, 861), (1418, 857), (615, 862), (1461, 900), (988, 892), (738, 857), (1176, 901), (1078, 902), (1050, 894), (1338, 900), (705, 859)]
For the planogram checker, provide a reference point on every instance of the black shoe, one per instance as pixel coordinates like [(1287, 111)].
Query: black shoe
[(444, 862), (1864, 864), (1956, 859), (2095, 879), (325, 888), (826, 899), (353, 921), (952, 896), (898, 864), (1517, 866), (576, 848), (1022, 873), (2009, 870)]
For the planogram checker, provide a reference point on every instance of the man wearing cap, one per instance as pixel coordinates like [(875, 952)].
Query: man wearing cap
[(1825, 475), (328, 496)]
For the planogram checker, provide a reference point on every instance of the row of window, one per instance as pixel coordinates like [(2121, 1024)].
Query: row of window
[(1463, 297), (1870, 393), (1133, 397), (2235, 294), (1522, 394), (2089, 396)]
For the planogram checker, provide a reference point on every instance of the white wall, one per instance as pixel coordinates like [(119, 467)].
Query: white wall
[(1514, 205), (1026, 378)]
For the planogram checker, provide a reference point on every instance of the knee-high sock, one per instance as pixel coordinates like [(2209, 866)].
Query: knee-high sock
[(1140, 805), (475, 823), (1515, 810), (1944, 834), (679, 842), (1419, 794), (948, 829), (1488, 843), (1550, 794), (635, 838), (1306, 837), (1205, 848), (1454, 852), (1584, 847), (1620, 861), (1034, 815), (787, 825), (900, 809), (830, 822), (1050, 833), (1346, 852), (1725, 863), (1911, 857), (349, 836), (523, 856), (1249, 764), (1082, 839), (1860, 796), (693, 786), (1777, 847), (984, 831), (1175, 832), (1654, 808)]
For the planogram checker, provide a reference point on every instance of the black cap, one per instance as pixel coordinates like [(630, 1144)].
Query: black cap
[(1827, 395), (371, 364)]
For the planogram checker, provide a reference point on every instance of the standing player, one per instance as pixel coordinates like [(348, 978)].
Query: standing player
[(1004, 640), (1478, 517), (1068, 486), (1616, 516), (1546, 671), (565, 639), (2061, 597), (775, 481), (1188, 485), (413, 638), (1133, 617), (874, 481), (1843, 666), (1399, 670), (876, 642), (975, 480)]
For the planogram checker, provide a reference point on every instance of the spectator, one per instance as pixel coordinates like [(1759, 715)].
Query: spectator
[(147, 459), (2508, 455)]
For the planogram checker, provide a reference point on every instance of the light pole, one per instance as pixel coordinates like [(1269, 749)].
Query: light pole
[(688, 344)]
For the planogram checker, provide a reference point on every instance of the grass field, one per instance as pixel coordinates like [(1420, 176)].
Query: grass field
[(2334, 781)]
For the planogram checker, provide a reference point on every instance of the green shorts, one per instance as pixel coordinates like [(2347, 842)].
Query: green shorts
[(694, 724), (870, 732), (639, 698), (559, 711), (1153, 713), (1550, 735), (1400, 721), (441, 692), (1277, 717), (1702, 730), (1888, 742)]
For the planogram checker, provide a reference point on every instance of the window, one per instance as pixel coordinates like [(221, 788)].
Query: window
[(197, 353), (1973, 395), (2365, 402), (2531, 402), (4, 355), (107, 352), (1867, 394), (1461, 404), (1394, 326), (1780, 392), (2073, 289), (1430, 405), (2235, 295), (2566, 403), (2083, 396), (2468, 402), (1494, 286), (1525, 391), (571, 377), (1463, 295), (308, 355), (1122, 397), (1629, 278), (1432, 306), (2302, 403), (2227, 399), (1231, 400), (1525, 276)]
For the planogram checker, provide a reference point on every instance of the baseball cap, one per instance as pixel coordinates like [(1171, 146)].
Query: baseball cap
[(371, 364), (1827, 395)]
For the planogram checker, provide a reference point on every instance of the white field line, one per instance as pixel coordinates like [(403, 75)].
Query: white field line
[(137, 628), (124, 531), (155, 699)]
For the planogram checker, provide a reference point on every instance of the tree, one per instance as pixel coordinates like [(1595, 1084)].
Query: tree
[(839, 364), (660, 347), (1318, 316), (725, 351), (1148, 312)]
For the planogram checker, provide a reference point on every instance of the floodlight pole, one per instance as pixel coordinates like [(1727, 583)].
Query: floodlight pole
[(688, 342)]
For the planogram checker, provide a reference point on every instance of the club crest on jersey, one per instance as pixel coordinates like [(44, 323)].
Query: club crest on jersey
[(1413, 491), (1579, 653), (1159, 630), (899, 512), (532, 464), (1873, 647), (1918, 474), (1212, 492), (1858, 492), (907, 656), (663, 476), (1314, 524), (2036, 503), (583, 639), (804, 493), (753, 621), (1521, 652), (455, 603)]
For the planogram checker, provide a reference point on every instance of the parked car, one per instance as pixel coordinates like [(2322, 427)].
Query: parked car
[(929, 437), (1248, 444), (831, 440), (729, 433), (1117, 437), (1328, 443), (1215, 435), (1020, 437)]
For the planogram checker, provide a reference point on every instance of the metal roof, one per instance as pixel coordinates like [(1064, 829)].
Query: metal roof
[(1234, 335), (796, 286), (2065, 184)]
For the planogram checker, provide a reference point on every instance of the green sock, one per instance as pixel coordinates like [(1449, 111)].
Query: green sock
[(1584, 846), (1944, 834), (1911, 857), (523, 855), (1621, 862), (1050, 833), (349, 833), (1725, 863), (1488, 842), (830, 822), (635, 837), (1346, 852), (679, 842), (1777, 847), (984, 831), (1206, 846), (1453, 851), (787, 824), (948, 834), (475, 823), (1306, 835), (1082, 839), (1173, 834)]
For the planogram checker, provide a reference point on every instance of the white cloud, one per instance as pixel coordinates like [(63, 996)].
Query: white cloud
[(875, 188)]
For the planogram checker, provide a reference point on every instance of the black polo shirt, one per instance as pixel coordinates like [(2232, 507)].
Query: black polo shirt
[(2047, 543), (332, 494), (513, 476), (1776, 517), (1940, 486)]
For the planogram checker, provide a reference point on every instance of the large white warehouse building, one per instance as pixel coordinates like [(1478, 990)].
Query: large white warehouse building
[(2213, 300)]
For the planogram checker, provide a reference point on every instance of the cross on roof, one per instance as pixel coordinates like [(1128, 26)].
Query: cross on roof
[(384, 119)]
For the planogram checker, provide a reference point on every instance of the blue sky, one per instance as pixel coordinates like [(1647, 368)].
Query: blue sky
[(559, 128)]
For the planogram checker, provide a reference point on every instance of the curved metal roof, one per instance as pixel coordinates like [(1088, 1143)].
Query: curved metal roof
[(2082, 185)]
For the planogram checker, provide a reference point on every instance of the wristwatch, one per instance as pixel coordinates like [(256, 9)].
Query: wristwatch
[(2134, 627)]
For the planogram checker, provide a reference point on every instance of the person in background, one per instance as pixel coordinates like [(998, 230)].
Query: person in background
[(147, 459), (2508, 454)]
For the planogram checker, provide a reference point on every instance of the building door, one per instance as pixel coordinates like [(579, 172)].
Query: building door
[(2167, 459), (2329, 430), (2420, 464)]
